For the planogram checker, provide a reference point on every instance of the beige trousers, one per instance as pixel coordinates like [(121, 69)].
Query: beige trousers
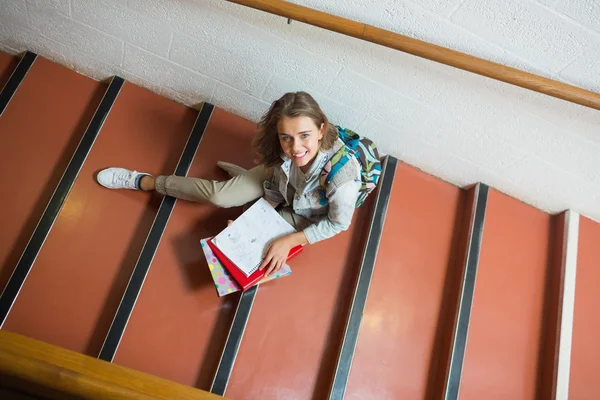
[(244, 187)]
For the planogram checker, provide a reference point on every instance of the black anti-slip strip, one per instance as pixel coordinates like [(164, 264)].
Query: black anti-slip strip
[(234, 339), (11, 291), (361, 290), (15, 79), (142, 266), (466, 296)]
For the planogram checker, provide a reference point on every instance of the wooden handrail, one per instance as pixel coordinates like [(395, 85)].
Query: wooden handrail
[(38, 368), (426, 50)]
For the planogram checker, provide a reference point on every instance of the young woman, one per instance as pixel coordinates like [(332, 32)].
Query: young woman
[(294, 142)]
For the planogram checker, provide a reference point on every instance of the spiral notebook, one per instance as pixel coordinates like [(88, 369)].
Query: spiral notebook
[(246, 240), (225, 283)]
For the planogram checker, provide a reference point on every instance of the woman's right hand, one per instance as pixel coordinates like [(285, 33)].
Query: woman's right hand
[(229, 222)]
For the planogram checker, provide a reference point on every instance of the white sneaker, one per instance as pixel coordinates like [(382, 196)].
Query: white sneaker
[(119, 178)]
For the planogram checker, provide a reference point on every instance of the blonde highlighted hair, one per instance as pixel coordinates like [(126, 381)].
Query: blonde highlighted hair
[(290, 105)]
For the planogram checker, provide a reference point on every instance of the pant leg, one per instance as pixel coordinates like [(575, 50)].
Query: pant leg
[(234, 192), (297, 221)]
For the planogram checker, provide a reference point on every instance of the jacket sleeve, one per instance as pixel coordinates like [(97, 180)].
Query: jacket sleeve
[(342, 202)]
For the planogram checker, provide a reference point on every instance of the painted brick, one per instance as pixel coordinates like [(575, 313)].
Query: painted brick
[(112, 17), (463, 173), (587, 12), (404, 144), (549, 3), (584, 71), (158, 70), (219, 63), (412, 20), (528, 29), (196, 18), (365, 11), (76, 35), (89, 66), (337, 112), (442, 7), (13, 11), (512, 100), (547, 184), (586, 124), (239, 103), (378, 100), (18, 38), (267, 51), (61, 6), (564, 150), (407, 19), (470, 141)]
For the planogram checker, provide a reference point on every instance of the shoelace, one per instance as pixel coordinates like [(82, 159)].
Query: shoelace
[(125, 178)]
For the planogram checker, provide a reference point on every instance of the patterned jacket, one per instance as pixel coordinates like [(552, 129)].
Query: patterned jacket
[(330, 217)]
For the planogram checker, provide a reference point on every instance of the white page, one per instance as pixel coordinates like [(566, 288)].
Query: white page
[(248, 238)]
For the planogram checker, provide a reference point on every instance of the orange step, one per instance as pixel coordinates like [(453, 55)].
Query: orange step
[(179, 325), (39, 131), (81, 271), (8, 64), (295, 330), (585, 351), (513, 319), (408, 316)]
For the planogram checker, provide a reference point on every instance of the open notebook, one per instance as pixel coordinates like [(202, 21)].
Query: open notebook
[(248, 238)]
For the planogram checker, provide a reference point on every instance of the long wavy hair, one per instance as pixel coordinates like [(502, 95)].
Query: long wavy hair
[(290, 105)]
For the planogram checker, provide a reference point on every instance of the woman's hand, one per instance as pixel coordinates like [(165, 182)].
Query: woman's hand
[(279, 250), (276, 255)]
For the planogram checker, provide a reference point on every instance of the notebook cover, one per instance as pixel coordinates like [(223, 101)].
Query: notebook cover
[(224, 282)]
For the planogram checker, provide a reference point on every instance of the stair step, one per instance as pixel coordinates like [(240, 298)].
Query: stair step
[(295, 330), (179, 325), (363, 282), (81, 272), (409, 311), (39, 132), (585, 352), (8, 64), (15, 78), (514, 314), (144, 261)]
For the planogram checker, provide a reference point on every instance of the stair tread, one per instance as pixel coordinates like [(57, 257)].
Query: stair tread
[(8, 64), (38, 135), (179, 325), (400, 328), (508, 323), (81, 272), (585, 352), (296, 325)]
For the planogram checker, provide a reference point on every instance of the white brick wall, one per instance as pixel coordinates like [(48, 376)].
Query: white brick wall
[(455, 125)]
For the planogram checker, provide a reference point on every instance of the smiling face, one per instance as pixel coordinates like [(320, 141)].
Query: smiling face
[(299, 138)]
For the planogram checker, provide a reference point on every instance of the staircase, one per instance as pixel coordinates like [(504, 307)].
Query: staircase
[(471, 293)]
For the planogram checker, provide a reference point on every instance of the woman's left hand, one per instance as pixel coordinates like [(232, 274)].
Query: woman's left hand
[(277, 255)]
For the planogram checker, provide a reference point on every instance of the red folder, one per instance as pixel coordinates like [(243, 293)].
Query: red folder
[(246, 282)]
